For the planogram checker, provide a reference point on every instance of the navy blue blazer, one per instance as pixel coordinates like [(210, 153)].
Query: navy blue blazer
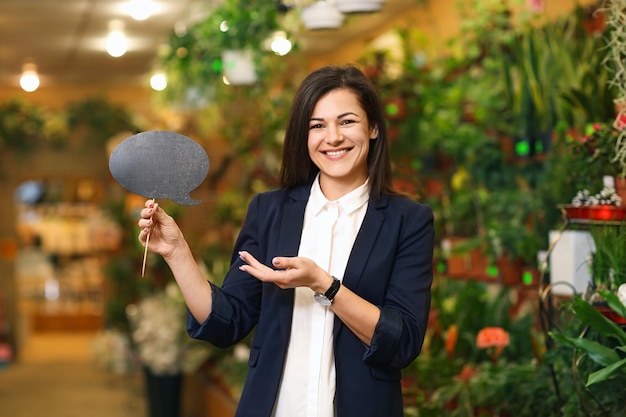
[(390, 266)]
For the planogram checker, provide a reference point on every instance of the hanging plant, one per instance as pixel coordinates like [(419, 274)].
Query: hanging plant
[(101, 119), (21, 125), (194, 61)]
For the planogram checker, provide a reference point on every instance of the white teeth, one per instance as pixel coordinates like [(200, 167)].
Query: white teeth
[(335, 153)]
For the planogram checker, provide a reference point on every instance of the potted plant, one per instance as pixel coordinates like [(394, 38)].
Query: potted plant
[(164, 349), (198, 58), (598, 363), (608, 261), (616, 13)]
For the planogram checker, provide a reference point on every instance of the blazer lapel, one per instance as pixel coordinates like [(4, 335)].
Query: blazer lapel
[(288, 245), (364, 243), (363, 247)]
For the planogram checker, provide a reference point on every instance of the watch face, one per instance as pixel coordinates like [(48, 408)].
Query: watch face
[(321, 298)]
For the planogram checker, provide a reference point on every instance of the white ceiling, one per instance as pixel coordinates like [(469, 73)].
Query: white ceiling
[(65, 38)]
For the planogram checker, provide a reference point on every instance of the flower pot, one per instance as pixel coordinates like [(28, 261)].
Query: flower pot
[(620, 189), (606, 212), (163, 393), (359, 6), (239, 66), (509, 269), (321, 15), (610, 314), (577, 212)]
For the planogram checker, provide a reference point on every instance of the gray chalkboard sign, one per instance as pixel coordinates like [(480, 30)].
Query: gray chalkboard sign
[(160, 164)]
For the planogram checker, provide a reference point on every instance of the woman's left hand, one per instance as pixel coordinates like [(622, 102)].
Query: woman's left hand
[(291, 272)]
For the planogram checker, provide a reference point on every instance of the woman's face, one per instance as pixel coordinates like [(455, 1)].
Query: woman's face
[(339, 137)]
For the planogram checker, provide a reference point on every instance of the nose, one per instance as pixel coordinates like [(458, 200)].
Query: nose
[(334, 136)]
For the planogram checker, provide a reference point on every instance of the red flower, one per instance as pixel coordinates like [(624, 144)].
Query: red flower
[(620, 121), (535, 5)]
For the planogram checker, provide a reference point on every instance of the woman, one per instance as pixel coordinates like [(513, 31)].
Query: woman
[(333, 269)]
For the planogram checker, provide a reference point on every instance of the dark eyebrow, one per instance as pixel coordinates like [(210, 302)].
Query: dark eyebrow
[(319, 119)]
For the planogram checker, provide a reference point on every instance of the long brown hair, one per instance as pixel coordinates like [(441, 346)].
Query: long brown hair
[(297, 167)]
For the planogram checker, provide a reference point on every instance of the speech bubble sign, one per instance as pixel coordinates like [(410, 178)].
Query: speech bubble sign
[(160, 164)]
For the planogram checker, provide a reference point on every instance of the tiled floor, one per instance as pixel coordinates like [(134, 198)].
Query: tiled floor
[(56, 377)]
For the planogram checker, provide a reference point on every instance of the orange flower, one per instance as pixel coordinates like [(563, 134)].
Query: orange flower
[(495, 339), (433, 321), (451, 337), (466, 374), (492, 337)]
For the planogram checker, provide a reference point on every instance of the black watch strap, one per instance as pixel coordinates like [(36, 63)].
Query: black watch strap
[(332, 291)]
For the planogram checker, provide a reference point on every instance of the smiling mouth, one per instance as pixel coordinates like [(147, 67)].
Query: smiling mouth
[(336, 153)]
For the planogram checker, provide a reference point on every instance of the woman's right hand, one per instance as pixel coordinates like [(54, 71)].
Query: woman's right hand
[(165, 235)]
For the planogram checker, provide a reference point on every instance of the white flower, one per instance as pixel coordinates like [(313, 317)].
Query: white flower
[(112, 351), (621, 293), (158, 331)]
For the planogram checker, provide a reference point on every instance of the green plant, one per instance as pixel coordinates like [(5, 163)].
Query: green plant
[(616, 60), (193, 60), (21, 125), (510, 224), (608, 262), (599, 360), (99, 118), (453, 375)]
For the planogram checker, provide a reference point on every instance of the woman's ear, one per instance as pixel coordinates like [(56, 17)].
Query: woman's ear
[(374, 133)]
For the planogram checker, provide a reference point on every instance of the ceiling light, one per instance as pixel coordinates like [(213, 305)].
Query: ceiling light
[(117, 45), (321, 15), (158, 81), (359, 6), (140, 9), (29, 80)]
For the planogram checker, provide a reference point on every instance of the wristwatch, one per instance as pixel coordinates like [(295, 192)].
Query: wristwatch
[(326, 299)]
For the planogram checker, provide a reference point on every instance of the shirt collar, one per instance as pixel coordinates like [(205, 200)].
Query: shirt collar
[(349, 202)]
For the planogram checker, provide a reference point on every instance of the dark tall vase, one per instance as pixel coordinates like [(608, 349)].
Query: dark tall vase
[(163, 394)]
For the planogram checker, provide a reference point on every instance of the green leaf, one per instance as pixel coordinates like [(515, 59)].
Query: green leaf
[(614, 302), (605, 373), (597, 352), (592, 317)]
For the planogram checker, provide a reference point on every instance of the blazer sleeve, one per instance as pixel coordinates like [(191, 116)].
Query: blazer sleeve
[(400, 331), (236, 305)]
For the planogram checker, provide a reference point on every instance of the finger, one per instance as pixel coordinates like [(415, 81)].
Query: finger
[(250, 260), (146, 212), (149, 203), (143, 223), (282, 262), (143, 235)]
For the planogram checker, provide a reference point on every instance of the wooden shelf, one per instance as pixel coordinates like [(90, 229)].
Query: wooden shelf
[(47, 322)]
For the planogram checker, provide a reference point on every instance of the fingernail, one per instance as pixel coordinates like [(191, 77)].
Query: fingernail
[(275, 261)]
